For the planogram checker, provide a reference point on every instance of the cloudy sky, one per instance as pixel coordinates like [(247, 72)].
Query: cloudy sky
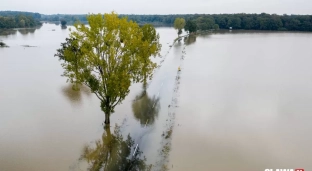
[(159, 6)]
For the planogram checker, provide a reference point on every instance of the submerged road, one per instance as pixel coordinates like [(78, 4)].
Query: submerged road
[(150, 118)]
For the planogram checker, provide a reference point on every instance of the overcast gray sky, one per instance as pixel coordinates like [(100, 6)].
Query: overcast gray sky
[(159, 6)]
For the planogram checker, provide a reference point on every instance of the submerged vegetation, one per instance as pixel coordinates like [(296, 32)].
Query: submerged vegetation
[(190, 26), (108, 57), (179, 24), (3, 44)]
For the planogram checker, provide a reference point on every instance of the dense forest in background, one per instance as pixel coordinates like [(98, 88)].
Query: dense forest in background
[(236, 21), (206, 21), (70, 19), (13, 19), (202, 21), (213, 21)]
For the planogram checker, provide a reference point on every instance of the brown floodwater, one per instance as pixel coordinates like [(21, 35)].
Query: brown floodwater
[(245, 103), (242, 101), (45, 125)]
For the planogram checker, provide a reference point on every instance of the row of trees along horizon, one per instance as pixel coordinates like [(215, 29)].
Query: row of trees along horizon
[(263, 21)]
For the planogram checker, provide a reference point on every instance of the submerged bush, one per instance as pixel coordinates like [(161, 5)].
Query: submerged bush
[(2, 44)]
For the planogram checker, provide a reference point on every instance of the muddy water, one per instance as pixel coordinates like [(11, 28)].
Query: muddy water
[(45, 125), (245, 103)]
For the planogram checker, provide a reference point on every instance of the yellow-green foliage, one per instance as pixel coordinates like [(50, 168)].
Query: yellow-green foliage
[(179, 24), (108, 55)]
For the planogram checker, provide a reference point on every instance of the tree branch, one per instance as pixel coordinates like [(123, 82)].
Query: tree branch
[(98, 96)]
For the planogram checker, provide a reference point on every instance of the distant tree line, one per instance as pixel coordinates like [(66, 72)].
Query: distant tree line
[(236, 21), (261, 21), (212, 21), (36, 16), (69, 19), (15, 19), (253, 22)]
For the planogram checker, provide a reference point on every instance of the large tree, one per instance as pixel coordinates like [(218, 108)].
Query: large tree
[(179, 24), (107, 56)]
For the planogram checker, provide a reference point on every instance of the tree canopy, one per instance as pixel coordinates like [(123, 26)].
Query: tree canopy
[(224, 21), (179, 24), (108, 56), (63, 22), (36, 16), (190, 26), (151, 46), (18, 21)]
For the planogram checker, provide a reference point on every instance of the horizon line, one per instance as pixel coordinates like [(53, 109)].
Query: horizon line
[(151, 14)]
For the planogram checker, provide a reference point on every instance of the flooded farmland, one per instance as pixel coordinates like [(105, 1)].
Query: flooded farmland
[(242, 101)]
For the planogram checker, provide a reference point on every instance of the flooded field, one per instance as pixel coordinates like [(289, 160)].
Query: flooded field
[(245, 103), (242, 101)]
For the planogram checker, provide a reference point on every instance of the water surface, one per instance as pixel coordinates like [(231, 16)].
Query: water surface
[(245, 103), (45, 125)]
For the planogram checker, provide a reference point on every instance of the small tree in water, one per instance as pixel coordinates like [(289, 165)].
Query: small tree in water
[(107, 57), (179, 24), (3, 44), (63, 22)]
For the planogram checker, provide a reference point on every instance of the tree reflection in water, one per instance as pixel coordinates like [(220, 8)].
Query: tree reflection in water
[(145, 108), (63, 27), (190, 39), (114, 153), (74, 94), (26, 31), (6, 32)]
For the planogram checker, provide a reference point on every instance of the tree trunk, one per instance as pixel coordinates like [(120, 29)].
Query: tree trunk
[(107, 120), (144, 85)]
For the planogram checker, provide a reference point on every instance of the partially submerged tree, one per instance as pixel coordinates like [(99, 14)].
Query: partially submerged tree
[(179, 24), (108, 56), (63, 22), (190, 26), (3, 44)]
